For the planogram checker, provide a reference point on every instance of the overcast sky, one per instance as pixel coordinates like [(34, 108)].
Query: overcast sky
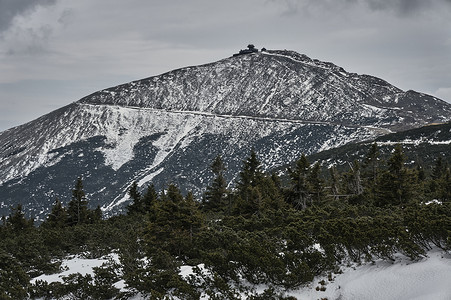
[(54, 52)]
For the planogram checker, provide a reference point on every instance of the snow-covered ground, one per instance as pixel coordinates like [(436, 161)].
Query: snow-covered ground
[(77, 264), (429, 278)]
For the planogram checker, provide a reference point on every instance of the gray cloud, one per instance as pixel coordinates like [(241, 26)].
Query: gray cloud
[(403, 7), (399, 7), (9, 9)]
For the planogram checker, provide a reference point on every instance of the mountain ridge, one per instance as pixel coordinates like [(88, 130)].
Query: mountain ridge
[(331, 83), (168, 128)]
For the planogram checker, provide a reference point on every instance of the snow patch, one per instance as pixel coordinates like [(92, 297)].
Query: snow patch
[(433, 201), (77, 264), (149, 177)]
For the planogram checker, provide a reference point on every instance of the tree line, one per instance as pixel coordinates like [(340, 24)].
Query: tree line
[(280, 230)]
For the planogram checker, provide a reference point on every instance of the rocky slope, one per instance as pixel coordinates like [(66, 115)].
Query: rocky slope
[(169, 128)]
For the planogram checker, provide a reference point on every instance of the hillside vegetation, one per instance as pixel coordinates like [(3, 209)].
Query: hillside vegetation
[(422, 147), (263, 232)]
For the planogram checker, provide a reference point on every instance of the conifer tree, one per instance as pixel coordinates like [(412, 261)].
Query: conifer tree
[(149, 198), (397, 185), (251, 174), (442, 191), (439, 168), (17, 219), (438, 181), (353, 180), (78, 206), (173, 194), (137, 206), (334, 183), (371, 164), (173, 222), (271, 193), (96, 215), (192, 215), (421, 173), (276, 179), (300, 193), (316, 184), (216, 194), (446, 193), (57, 217), (396, 161), (249, 199)]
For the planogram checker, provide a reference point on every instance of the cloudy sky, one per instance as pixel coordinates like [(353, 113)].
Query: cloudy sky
[(54, 52)]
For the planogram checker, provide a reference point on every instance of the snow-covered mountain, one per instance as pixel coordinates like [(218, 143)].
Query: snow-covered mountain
[(169, 128)]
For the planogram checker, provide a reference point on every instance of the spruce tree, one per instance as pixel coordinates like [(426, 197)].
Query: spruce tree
[(443, 191), (17, 219), (149, 198), (352, 181), (271, 193), (137, 206), (192, 214), (249, 199), (397, 185), (334, 183), (251, 172), (316, 184), (447, 187), (216, 194), (300, 193), (57, 217), (438, 178), (96, 214), (439, 168), (173, 194), (172, 223), (371, 164), (77, 209), (396, 161)]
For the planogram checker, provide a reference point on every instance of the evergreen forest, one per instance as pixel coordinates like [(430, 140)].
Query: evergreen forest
[(274, 229)]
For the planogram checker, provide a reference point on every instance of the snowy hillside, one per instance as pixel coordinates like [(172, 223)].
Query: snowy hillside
[(399, 280), (118, 145), (168, 128), (283, 85)]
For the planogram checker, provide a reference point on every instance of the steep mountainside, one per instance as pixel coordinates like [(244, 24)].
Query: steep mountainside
[(282, 85), (169, 128)]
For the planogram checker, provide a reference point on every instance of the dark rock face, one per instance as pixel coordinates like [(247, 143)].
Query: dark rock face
[(169, 128)]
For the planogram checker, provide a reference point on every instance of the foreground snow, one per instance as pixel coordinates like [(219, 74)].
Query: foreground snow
[(77, 264), (429, 278)]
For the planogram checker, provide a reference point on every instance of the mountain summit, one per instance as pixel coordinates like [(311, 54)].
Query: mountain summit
[(168, 128), (280, 85)]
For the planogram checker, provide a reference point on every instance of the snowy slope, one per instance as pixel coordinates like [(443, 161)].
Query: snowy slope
[(402, 280), (399, 280), (169, 128), (280, 84), (118, 145)]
